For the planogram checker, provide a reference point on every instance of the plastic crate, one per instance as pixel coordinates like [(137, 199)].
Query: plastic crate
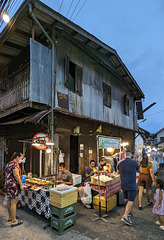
[(62, 213), (62, 226), (111, 202), (62, 198)]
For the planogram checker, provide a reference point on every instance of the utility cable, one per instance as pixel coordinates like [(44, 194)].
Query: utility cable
[(12, 5), (61, 5), (4, 3), (79, 10), (69, 8), (16, 6), (75, 9), (6, 9), (155, 113)]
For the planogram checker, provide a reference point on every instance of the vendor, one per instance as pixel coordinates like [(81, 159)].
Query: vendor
[(102, 163), (89, 171), (64, 175)]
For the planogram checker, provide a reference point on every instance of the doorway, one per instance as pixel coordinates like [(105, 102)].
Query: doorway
[(74, 160)]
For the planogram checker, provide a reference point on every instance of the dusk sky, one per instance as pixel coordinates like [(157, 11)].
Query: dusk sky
[(134, 28)]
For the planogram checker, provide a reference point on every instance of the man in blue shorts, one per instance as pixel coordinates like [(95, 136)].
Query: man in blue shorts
[(127, 169)]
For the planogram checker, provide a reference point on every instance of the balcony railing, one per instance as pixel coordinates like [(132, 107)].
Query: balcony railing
[(15, 95)]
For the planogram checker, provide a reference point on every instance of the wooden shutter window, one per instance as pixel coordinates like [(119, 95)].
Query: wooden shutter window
[(67, 71), (126, 105), (106, 95), (78, 79)]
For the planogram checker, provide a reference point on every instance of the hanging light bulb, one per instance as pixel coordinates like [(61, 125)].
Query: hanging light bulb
[(110, 149), (48, 150), (5, 17)]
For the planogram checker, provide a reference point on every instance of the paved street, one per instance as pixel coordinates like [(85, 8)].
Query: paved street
[(143, 226)]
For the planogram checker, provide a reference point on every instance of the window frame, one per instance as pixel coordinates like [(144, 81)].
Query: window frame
[(126, 105), (107, 96), (78, 79)]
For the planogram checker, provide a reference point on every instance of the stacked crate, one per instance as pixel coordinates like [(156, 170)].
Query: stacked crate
[(63, 208), (108, 204)]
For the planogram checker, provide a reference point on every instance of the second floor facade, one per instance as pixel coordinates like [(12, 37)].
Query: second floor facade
[(90, 80)]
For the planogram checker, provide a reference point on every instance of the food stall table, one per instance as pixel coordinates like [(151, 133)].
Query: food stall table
[(108, 190), (37, 201)]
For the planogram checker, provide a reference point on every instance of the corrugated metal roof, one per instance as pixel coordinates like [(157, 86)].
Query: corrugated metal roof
[(18, 32)]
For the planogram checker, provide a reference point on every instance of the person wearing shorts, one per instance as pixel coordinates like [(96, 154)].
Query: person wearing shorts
[(127, 169), (12, 181), (145, 180)]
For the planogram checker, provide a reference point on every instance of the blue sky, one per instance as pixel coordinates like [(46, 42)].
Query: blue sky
[(134, 28)]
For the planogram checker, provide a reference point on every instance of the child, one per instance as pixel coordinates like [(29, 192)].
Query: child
[(159, 203)]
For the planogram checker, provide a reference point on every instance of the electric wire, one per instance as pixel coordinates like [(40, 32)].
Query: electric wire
[(157, 125), (80, 10), (155, 113), (69, 8), (61, 5), (13, 11), (75, 9), (3, 5), (10, 7)]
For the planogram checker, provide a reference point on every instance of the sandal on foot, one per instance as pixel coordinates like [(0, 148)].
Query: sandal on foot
[(157, 222), (161, 227), (17, 217), (17, 224), (149, 204)]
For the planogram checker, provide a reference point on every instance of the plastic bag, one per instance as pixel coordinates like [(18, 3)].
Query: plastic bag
[(85, 194), (5, 201)]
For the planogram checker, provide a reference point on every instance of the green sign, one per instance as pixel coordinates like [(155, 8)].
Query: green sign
[(107, 142)]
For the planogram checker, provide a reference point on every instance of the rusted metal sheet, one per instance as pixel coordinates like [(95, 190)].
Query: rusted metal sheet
[(40, 73), (63, 100), (90, 103)]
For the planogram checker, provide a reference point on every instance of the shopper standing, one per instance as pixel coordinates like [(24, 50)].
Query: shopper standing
[(159, 203), (127, 169), (13, 184), (145, 180)]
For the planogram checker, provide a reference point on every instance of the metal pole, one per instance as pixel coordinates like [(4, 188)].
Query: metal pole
[(40, 167), (97, 139)]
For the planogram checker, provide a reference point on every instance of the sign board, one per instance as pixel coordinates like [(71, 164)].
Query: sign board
[(107, 142), (40, 139)]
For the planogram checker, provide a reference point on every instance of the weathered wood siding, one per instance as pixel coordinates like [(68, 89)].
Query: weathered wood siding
[(90, 104)]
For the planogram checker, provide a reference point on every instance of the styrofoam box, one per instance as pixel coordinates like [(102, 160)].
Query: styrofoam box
[(64, 188), (77, 179)]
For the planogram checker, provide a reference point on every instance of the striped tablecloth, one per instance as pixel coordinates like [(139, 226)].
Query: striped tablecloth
[(107, 190)]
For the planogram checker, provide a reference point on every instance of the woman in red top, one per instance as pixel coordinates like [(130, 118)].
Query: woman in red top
[(12, 182)]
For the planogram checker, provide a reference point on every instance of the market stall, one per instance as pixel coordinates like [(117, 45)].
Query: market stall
[(36, 195), (37, 201), (109, 183)]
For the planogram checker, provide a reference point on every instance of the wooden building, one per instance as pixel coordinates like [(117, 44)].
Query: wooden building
[(46, 61)]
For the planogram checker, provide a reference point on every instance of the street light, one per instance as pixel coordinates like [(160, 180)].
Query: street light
[(5, 17)]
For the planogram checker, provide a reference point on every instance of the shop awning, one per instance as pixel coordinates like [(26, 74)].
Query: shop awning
[(33, 118)]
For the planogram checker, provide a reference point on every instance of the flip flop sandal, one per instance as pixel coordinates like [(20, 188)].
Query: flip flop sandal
[(17, 217), (17, 224), (149, 204)]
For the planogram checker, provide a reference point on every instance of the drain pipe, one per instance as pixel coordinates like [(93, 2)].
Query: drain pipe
[(52, 81)]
